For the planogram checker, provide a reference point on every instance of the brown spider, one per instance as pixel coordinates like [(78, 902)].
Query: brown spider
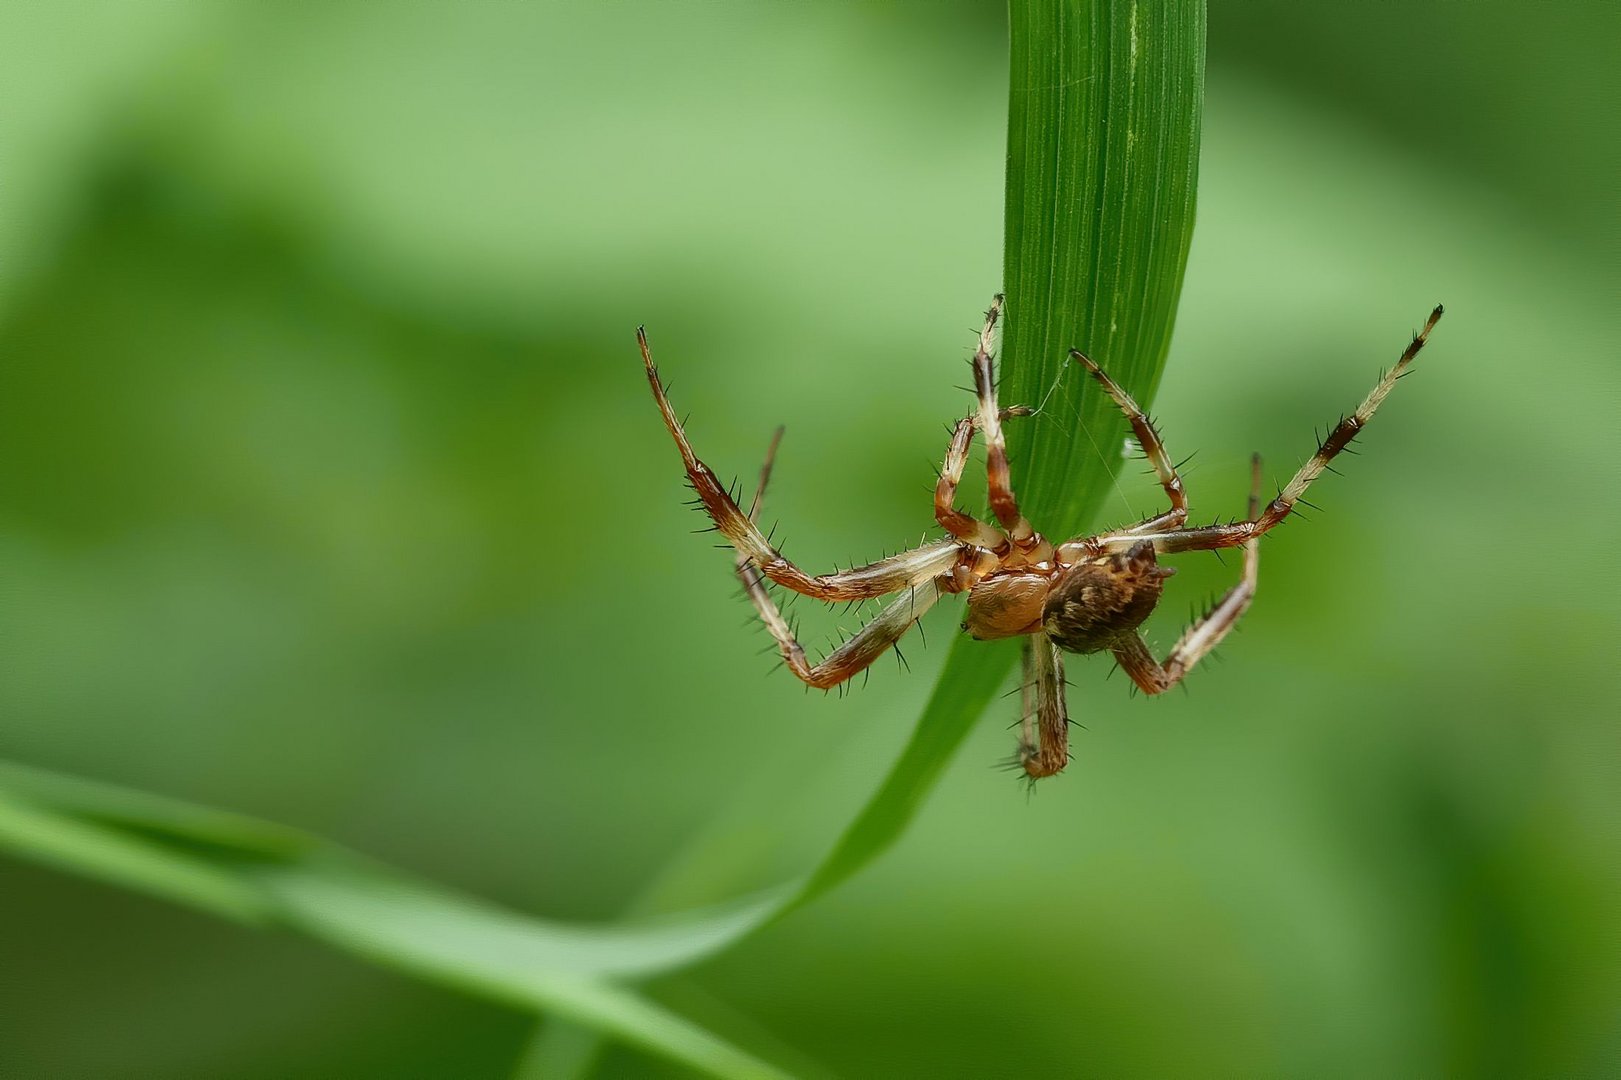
[(1085, 595)]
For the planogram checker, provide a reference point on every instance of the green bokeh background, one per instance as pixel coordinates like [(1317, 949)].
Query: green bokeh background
[(330, 492)]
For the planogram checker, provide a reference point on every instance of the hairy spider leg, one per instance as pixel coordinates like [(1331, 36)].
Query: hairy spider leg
[(855, 654), (1345, 430), (1148, 437), (859, 583), (999, 482), (1154, 677), (963, 526), (1210, 537), (1044, 725)]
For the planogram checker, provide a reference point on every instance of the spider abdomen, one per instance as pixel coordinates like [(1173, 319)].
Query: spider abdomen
[(1092, 606)]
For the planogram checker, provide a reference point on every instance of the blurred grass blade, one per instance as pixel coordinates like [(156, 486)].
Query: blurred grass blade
[(253, 870), (411, 928), (115, 859), (250, 871), (156, 815), (343, 894)]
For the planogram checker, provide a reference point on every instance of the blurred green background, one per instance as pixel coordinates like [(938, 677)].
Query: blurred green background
[(330, 491)]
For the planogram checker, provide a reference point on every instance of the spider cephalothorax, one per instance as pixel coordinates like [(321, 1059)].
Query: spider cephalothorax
[(1085, 595)]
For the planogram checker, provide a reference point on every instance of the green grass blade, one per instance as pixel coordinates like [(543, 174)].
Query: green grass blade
[(250, 871), (156, 816), (108, 856), (1103, 151), (1103, 160), (490, 953), (253, 870)]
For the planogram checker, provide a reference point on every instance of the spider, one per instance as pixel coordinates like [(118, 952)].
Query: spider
[(1088, 594)]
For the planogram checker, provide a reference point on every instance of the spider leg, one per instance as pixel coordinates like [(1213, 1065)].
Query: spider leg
[(857, 653), (1044, 724), (1154, 677), (859, 583), (1344, 431), (999, 481), (954, 521), (1210, 537), (1148, 437)]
